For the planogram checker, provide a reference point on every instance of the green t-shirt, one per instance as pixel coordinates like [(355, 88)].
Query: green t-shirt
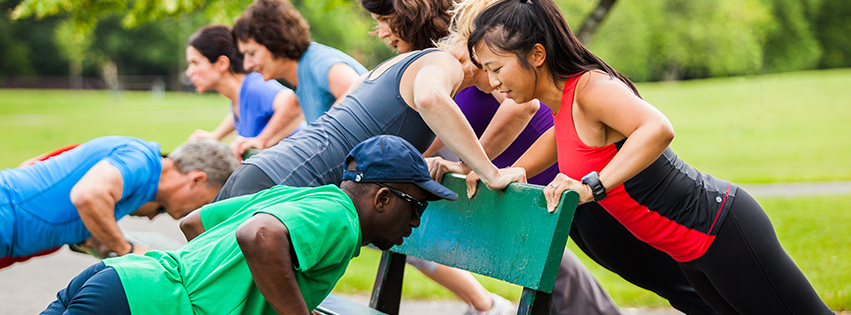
[(209, 275)]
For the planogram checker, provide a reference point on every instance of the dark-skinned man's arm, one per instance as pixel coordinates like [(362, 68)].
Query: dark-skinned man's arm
[(266, 245)]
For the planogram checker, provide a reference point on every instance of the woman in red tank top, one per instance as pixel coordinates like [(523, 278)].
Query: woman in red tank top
[(612, 148)]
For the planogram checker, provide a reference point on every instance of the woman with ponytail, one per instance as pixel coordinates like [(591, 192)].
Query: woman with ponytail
[(612, 147), (504, 128)]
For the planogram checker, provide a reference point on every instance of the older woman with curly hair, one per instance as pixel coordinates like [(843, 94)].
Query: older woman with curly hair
[(275, 41)]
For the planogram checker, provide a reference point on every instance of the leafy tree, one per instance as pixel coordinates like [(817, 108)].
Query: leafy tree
[(27, 47), (75, 46), (14, 57), (674, 39), (791, 43), (589, 26), (646, 40), (149, 36), (833, 31)]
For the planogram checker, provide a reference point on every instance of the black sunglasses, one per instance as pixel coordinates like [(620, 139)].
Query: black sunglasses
[(419, 205)]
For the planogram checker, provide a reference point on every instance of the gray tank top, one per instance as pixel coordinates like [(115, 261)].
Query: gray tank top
[(315, 156)]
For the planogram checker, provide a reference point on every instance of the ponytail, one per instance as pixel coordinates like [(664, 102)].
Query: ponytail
[(515, 26)]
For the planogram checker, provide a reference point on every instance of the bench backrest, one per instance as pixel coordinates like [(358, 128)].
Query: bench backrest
[(507, 235)]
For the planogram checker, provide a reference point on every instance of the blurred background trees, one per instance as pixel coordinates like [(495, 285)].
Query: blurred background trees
[(646, 40)]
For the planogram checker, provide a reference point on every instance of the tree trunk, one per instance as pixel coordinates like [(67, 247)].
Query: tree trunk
[(75, 74), (589, 26)]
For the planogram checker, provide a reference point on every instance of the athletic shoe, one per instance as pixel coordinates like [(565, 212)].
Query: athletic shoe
[(501, 306)]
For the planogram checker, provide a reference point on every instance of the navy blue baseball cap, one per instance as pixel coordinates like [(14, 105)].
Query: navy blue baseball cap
[(391, 159)]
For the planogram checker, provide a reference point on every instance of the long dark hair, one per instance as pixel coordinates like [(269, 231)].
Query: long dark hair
[(216, 40), (515, 26)]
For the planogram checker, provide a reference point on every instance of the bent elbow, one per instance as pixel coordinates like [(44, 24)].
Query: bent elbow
[(82, 199), (247, 233), (191, 226), (666, 133), (261, 234), (531, 108), (424, 102), (429, 100)]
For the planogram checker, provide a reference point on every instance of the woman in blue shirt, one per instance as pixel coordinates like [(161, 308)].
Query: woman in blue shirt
[(275, 42), (262, 113)]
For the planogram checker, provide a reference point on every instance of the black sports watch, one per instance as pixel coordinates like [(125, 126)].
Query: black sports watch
[(593, 180)]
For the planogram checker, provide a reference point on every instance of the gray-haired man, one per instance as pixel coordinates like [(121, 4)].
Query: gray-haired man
[(83, 192)]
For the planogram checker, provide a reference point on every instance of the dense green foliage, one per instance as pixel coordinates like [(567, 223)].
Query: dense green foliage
[(766, 128), (144, 40), (647, 40), (673, 39)]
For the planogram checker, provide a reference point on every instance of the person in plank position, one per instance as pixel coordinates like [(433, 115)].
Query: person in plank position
[(82, 192), (280, 250)]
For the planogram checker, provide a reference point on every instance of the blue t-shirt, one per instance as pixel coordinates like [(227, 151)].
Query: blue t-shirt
[(256, 104), (313, 91), (36, 212)]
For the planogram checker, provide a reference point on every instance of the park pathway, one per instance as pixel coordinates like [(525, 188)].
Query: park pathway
[(800, 189)]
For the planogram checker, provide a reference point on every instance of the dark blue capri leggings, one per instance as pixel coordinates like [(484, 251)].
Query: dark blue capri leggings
[(746, 271), (96, 290)]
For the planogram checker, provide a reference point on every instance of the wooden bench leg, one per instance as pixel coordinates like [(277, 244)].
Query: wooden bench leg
[(387, 292), (535, 303)]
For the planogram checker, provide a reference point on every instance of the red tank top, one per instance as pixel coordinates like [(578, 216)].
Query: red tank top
[(681, 240)]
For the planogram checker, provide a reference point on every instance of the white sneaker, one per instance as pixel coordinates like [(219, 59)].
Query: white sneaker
[(501, 306)]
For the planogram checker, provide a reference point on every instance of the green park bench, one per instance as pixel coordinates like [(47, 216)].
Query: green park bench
[(506, 235)]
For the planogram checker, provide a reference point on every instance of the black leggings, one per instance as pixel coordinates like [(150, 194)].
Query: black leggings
[(611, 245), (245, 180), (746, 271)]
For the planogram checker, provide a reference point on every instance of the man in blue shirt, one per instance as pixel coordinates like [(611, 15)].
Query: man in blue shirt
[(82, 192)]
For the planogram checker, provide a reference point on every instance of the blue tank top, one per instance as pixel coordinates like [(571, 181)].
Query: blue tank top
[(36, 212), (315, 156), (256, 104), (313, 91)]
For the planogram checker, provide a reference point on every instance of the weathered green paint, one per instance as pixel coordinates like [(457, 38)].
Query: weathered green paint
[(507, 235)]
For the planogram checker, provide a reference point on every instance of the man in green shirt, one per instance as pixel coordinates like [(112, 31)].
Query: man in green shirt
[(281, 250)]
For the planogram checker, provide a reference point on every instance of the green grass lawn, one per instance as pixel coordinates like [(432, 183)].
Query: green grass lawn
[(771, 128), (33, 122)]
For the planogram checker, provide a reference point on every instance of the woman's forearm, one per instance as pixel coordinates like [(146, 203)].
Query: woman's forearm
[(540, 156), (224, 128), (446, 120)]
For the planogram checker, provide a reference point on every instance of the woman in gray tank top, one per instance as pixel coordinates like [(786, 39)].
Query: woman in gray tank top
[(409, 96)]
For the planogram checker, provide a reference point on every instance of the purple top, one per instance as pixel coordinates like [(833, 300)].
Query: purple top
[(480, 107)]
